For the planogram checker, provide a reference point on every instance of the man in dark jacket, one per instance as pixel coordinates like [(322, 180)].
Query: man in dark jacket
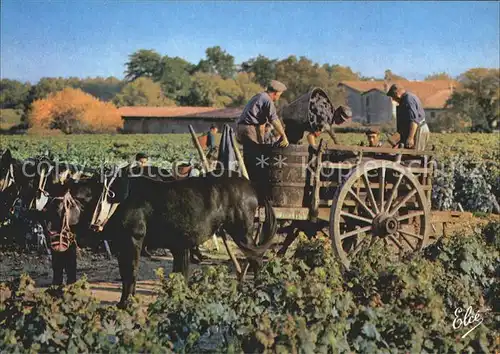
[(411, 123)]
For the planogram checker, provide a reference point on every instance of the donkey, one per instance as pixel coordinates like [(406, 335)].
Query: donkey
[(180, 215)]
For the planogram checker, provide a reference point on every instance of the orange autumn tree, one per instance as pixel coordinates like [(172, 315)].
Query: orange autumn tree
[(74, 111)]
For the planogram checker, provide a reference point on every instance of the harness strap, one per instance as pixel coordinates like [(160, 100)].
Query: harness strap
[(9, 178)]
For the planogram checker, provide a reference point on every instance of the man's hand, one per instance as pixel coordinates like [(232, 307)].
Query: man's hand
[(284, 143), (410, 143)]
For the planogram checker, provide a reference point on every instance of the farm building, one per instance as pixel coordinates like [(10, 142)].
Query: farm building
[(162, 120), (370, 104)]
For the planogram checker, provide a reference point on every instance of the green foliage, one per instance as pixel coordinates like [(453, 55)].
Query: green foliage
[(143, 63), (13, 94), (302, 75), (304, 304), (467, 180), (438, 76), (175, 77), (390, 76), (478, 98), (341, 73), (217, 62), (142, 92), (263, 68), (10, 117)]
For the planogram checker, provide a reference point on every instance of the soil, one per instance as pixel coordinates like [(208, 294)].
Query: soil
[(102, 273), (104, 278)]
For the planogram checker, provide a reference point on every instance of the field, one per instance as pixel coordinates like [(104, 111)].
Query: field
[(302, 303)]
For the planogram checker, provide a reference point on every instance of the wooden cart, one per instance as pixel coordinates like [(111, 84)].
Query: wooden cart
[(357, 196)]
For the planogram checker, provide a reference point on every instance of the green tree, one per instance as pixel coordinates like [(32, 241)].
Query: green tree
[(438, 76), (175, 78), (341, 73), (301, 75), (217, 62), (214, 91), (262, 67), (477, 98), (105, 89), (390, 76), (48, 85), (247, 87), (142, 92), (144, 63), (14, 94)]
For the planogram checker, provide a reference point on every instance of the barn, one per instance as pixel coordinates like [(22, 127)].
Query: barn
[(163, 120)]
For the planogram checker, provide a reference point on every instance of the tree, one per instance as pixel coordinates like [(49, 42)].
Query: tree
[(390, 76), (248, 88), (175, 78), (477, 98), (262, 67), (341, 73), (14, 94), (301, 75), (143, 63), (74, 111), (48, 85), (214, 91), (438, 76), (217, 62), (142, 92), (104, 89)]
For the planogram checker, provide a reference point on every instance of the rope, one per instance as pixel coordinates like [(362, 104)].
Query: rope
[(62, 241)]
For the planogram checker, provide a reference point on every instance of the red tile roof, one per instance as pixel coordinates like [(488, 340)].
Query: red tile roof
[(432, 93), (177, 112), (162, 111)]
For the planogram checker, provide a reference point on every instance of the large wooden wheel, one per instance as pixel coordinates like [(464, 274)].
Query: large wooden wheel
[(379, 201)]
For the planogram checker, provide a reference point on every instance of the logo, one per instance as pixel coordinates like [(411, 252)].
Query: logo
[(467, 319)]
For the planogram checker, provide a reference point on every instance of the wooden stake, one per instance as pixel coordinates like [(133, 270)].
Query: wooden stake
[(200, 150), (237, 152), (231, 255)]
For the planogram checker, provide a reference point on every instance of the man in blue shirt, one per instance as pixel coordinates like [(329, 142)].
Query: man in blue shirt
[(259, 111), (411, 123)]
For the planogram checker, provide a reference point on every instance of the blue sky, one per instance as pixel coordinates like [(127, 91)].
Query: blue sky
[(94, 38)]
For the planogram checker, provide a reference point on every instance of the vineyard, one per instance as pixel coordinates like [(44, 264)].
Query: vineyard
[(305, 302), (469, 167)]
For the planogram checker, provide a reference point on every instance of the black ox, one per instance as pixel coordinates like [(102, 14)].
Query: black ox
[(183, 214)]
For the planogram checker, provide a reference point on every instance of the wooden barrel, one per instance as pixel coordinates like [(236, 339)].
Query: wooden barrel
[(284, 175)]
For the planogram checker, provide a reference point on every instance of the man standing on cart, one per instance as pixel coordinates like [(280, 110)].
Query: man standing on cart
[(411, 124), (250, 130)]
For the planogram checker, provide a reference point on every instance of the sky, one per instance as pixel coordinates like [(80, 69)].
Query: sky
[(91, 38)]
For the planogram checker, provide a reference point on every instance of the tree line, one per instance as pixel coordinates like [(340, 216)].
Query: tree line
[(152, 79)]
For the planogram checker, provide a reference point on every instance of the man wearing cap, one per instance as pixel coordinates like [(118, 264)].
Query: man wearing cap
[(259, 111), (411, 123), (373, 136)]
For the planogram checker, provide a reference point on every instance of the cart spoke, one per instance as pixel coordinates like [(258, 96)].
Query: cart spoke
[(370, 192), (396, 242), (381, 191), (410, 215), (393, 192), (420, 237), (355, 232), (357, 217), (359, 246), (402, 202), (413, 248), (372, 214)]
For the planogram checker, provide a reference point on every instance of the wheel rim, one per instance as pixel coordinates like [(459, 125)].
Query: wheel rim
[(362, 214)]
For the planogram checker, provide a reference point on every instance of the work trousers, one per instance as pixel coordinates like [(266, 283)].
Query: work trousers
[(422, 137)]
